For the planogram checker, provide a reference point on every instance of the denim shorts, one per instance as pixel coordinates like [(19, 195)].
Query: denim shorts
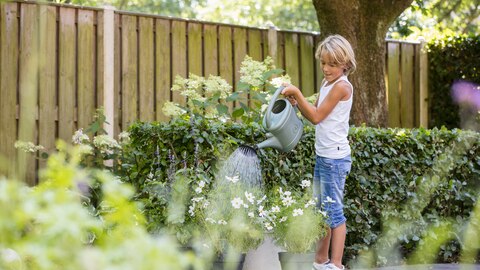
[(329, 185)]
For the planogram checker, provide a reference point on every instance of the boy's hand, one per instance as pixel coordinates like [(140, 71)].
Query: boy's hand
[(289, 92)]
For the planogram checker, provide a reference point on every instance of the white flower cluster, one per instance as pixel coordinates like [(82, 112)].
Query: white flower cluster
[(251, 71), (28, 147), (278, 81), (305, 184), (172, 109), (217, 85), (286, 197), (105, 144), (190, 88), (79, 137), (204, 203)]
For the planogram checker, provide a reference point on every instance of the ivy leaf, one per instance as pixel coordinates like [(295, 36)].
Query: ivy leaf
[(222, 109), (238, 112)]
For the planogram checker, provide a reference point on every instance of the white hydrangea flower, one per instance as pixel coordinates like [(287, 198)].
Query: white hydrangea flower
[(215, 85), (28, 147), (283, 219), (79, 137), (201, 184), (268, 226), (278, 81), (198, 190), (105, 143), (124, 137), (172, 109), (251, 72)]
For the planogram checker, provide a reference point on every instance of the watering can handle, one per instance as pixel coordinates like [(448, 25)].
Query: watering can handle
[(272, 102)]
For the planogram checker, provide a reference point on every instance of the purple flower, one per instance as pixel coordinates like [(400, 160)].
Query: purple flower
[(467, 93)]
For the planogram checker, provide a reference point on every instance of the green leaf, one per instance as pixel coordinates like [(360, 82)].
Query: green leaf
[(238, 112), (222, 109)]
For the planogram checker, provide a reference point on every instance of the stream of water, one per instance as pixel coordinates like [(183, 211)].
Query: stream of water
[(244, 164)]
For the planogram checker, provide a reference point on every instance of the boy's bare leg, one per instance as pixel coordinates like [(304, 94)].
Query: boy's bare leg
[(323, 245), (338, 244)]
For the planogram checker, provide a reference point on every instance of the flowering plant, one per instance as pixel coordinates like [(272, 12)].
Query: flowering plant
[(298, 224), (231, 216), (211, 97), (95, 151)]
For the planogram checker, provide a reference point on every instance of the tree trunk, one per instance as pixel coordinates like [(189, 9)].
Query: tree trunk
[(364, 23)]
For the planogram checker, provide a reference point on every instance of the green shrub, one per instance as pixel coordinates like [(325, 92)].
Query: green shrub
[(392, 169), (450, 59)]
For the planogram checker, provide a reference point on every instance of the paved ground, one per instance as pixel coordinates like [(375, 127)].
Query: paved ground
[(434, 267)]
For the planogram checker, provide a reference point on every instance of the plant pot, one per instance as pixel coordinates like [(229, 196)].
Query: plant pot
[(296, 261), (229, 262)]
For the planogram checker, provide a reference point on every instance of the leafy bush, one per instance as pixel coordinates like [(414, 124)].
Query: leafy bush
[(50, 226), (450, 59), (390, 169)]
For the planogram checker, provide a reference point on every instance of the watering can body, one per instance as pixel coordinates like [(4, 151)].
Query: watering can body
[(282, 124)]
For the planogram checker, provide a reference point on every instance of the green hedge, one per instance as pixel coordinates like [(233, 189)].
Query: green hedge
[(450, 59), (393, 171)]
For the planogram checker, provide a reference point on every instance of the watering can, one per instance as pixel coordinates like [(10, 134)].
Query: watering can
[(282, 124)]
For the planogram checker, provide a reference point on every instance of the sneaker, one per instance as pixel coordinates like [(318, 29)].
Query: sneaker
[(332, 266), (320, 266)]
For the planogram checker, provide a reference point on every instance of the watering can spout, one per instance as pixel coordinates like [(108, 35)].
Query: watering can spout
[(270, 142)]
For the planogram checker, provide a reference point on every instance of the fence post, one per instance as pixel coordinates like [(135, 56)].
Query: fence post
[(423, 84), (109, 68), (272, 43)]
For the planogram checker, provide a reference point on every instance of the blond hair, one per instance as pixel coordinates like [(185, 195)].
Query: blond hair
[(340, 50)]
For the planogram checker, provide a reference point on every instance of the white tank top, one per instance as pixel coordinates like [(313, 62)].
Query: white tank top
[(331, 134)]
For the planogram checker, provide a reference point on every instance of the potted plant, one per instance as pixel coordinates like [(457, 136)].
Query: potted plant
[(298, 225)]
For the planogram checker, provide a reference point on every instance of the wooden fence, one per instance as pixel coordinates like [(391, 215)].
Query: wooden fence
[(58, 63)]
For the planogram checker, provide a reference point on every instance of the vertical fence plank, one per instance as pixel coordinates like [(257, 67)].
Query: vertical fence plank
[(255, 44), (225, 54), (47, 78), (195, 48), (66, 80), (100, 67), (307, 61), (117, 82), (8, 86), (146, 69), (210, 52), (239, 53), (291, 57), (86, 69), (407, 97), (28, 89), (271, 46), (129, 70), (393, 86), (162, 62), (422, 89), (210, 45), (179, 55)]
